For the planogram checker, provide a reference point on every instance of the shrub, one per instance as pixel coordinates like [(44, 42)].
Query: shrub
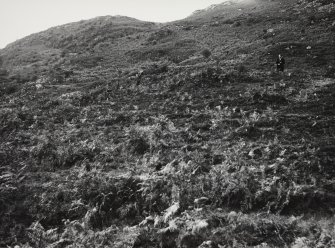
[(206, 53), (3, 72), (139, 145), (237, 24), (330, 72), (241, 69), (87, 61), (9, 88), (228, 21), (251, 21), (160, 35)]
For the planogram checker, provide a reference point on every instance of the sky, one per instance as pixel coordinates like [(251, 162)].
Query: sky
[(19, 18)]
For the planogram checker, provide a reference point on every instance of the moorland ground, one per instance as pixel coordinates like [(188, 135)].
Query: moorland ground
[(122, 133)]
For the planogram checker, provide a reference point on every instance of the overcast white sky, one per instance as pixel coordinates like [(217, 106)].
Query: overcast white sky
[(19, 18)]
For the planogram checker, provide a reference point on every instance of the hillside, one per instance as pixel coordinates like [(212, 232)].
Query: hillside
[(121, 133)]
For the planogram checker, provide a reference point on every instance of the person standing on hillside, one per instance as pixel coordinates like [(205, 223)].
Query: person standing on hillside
[(139, 77), (280, 63)]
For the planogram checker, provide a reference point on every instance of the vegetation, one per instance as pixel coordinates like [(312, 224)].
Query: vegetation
[(159, 145), (206, 53)]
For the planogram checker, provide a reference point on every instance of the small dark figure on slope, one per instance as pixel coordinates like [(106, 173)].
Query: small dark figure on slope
[(280, 63)]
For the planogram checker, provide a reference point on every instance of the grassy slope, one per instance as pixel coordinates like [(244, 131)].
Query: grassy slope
[(83, 139)]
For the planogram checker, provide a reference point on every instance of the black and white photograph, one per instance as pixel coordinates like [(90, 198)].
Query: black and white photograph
[(167, 123)]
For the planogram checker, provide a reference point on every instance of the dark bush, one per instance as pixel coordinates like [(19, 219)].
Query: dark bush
[(228, 21), (185, 43), (3, 72), (9, 88), (330, 72), (159, 35), (237, 24), (206, 53), (251, 21), (139, 146), (241, 69)]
